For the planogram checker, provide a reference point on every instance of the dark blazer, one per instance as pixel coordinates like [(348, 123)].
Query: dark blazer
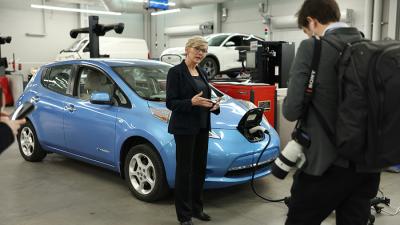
[(181, 88), (6, 137)]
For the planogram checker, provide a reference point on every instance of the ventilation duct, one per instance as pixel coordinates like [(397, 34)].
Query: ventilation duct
[(200, 29), (286, 22)]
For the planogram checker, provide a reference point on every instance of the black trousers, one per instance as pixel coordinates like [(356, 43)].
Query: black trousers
[(347, 192), (191, 162)]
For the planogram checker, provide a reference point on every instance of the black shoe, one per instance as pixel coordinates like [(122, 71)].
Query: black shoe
[(202, 216), (189, 222)]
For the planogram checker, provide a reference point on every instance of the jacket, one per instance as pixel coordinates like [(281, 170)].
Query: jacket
[(322, 153), (181, 88), (6, 137)]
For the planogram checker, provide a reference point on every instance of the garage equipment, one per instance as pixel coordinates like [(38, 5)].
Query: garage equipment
[(95, 30), (262, 95), (3, 79), (269, 61)]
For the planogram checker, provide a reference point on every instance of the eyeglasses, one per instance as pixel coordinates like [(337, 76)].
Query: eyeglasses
[(202, 50)]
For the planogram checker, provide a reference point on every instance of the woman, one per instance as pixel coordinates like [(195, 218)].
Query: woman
[(188, 97)]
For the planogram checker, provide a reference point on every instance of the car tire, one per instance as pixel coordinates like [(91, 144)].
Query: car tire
[(210, 65), (144, 173), (28, 143)]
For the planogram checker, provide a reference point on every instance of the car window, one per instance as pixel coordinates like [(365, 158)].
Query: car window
[(216, 40), (247, 41), (57, 78), (238, 40), (92, 80), (149, 82)]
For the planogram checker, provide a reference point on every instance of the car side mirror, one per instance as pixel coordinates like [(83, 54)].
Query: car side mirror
[(230, 44), (100, 98)]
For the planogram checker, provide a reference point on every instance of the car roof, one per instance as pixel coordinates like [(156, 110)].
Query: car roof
[(109, 62), (232, 34)]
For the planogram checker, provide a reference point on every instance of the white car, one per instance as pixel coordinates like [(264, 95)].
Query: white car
[(222, 57), (114, 47)]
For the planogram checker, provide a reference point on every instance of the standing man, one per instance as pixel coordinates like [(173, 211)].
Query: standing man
[(326, 182)]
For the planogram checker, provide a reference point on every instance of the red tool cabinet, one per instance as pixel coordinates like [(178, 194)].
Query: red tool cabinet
[(262, 95)]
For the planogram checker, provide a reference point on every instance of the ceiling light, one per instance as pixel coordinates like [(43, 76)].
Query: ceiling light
[(145, 1), (75, 10), (165, 12)]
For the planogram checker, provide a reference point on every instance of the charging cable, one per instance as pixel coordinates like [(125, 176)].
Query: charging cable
[(284, 200)]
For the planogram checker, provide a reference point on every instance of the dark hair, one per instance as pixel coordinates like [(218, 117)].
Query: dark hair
[(324, 11)]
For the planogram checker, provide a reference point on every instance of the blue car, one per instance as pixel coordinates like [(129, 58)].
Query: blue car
[(112, 113)]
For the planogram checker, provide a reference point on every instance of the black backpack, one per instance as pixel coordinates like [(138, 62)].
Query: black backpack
[(368, 122)]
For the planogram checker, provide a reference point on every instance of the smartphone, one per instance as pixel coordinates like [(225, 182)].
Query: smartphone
[(22, 111)]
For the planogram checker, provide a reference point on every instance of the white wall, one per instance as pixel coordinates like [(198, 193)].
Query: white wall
[(196, 15), (243, 16), (18, 18)]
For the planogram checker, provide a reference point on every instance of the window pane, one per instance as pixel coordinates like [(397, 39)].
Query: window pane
[(149, 82), (91, 80), (57, 80)]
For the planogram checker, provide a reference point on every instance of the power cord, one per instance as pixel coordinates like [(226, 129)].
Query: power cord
[(283, 200)]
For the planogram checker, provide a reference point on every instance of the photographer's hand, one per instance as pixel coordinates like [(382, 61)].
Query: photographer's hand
[(13, 124)]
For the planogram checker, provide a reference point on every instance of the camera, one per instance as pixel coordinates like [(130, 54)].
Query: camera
[(292, 154)]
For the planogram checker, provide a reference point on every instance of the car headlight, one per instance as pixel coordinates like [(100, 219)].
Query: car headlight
[(161, 114)]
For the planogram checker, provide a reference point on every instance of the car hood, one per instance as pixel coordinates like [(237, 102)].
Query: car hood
[(178, 51), (231, 111), (181, 50)]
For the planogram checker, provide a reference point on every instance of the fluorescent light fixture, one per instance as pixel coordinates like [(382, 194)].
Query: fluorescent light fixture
[(75, 10), (165, 12), (145, 1)]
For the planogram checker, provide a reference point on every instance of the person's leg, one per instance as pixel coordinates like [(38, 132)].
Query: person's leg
[(199, 170), (184, 151), (356, 208), (313, 198)]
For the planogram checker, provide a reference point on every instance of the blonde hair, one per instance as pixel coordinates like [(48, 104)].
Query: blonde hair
[(196, 41)]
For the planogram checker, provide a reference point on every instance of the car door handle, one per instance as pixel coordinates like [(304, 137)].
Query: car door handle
[(35, 99), (70, 108)]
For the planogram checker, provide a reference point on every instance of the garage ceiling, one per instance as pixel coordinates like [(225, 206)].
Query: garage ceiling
[(131, 6)]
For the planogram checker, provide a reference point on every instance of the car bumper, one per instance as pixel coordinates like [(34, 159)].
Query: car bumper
[(231, 159)]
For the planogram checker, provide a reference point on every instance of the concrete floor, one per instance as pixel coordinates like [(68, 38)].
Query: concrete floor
[(62, 191)]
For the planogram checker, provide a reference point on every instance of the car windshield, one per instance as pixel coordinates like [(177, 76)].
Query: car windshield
[(149, 82), (76, 46), (216, 40)]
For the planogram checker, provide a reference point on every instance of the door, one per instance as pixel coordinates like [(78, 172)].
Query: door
[(49, 100), (90, 128), (229, 58)]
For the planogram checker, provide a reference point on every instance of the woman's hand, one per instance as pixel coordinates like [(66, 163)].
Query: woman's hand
[(216, 105), (200, 101)]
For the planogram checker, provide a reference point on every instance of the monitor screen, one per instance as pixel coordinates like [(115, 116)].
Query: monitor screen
[(158, 4)]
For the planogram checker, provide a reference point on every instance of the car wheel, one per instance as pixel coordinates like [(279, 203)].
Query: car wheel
[(211, 67), (29, 146), (144, 173)]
